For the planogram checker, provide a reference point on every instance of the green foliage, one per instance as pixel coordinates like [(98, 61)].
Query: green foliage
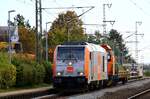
[(96, 38), (91, 39), (116, 41), (147, 73), (21, 21), (48, 72), (4, 58), (28, 71), (22, 58), (26, 34), (7, 72), (24, 75), (30, 74), (7, 75), (66, 27), (27, 38), (39, 73)]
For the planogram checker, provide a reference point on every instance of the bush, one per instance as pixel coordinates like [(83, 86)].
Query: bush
[(28, 71), (147, 73), (24, 75), (7, 72), (4, 58), (39, 73), (22, 58), (48, 72)]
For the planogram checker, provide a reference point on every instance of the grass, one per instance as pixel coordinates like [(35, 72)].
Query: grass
[(25, 87), (147, 73)]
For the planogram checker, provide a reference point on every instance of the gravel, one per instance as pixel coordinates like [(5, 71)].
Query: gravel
[(118, 92)]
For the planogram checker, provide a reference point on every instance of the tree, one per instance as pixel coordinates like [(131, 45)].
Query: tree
[(27, 38), (26, 34), (115, 40), (96, 38), (66, 27), (21, 21), (91, 39)]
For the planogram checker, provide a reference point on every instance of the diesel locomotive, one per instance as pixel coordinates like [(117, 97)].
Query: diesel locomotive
[(85, 65)]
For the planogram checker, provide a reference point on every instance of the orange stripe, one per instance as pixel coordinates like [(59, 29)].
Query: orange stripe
[(99, 64), (87, 62)]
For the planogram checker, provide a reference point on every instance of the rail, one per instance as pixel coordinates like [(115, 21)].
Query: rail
[(139, 94)]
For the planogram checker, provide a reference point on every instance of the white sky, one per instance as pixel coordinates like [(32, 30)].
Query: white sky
[(124, 12)]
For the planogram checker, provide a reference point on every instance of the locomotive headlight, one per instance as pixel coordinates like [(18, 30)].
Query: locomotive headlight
[(81, 73), (58, 73), (70, 63)]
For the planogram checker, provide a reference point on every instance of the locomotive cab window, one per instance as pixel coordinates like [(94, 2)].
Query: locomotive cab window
[(70, 53)]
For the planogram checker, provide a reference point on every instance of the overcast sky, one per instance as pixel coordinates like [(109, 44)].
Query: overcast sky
[(124, 12)]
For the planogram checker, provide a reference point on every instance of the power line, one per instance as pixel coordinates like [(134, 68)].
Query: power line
[(25, 2), (140, 8), (93, 24), (49, 13), (129, 35), (146, 47), (70, 7)]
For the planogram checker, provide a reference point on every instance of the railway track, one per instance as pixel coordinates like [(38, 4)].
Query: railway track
[(141, 94), (61, 95), (52, 96), (48, 93)]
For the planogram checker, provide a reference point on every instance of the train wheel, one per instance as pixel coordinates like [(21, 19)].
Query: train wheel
[(104, 83), (109, 83), (86, 88), (114, 83), (100, 85), (91, 87), (124, 80)]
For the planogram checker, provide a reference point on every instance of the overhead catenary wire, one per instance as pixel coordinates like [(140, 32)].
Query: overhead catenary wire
[(79, 7), (140, 8), (25, 2)]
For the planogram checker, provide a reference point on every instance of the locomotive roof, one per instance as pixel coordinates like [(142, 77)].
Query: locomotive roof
[(106, 46), (94, 47), (91, 46), (74, 43)]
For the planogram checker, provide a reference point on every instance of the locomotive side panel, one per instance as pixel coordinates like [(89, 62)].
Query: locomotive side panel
[(87, 64), (54, 62), (98, 63), (110, 59)]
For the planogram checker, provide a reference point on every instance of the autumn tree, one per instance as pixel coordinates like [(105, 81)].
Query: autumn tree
[(67, 27), (26, 34)]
